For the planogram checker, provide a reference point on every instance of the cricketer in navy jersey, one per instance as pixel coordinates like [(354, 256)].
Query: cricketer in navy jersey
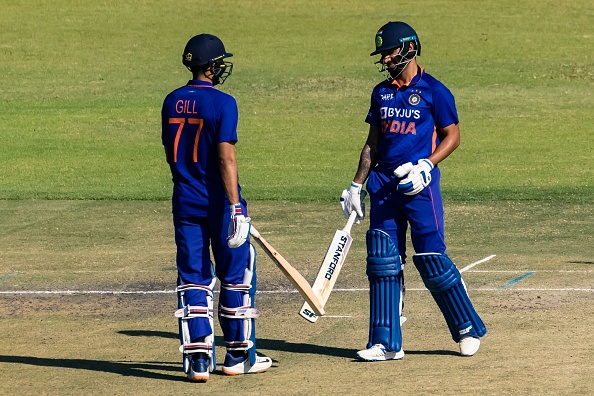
[(413, 125), (196, 118), (199, 132)]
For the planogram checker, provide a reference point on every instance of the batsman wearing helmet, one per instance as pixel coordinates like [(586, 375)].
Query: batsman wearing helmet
[(413, 126), (199, 132)]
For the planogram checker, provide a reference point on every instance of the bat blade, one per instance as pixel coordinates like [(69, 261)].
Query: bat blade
[(329, 270), (291, 273)]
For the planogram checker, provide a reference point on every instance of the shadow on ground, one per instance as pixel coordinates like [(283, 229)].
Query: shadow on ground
[(129, 369), (283, 346)]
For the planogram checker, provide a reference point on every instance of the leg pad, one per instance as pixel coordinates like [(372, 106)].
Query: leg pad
[(384, 271), (245, 313), (196, 321), (443, 280)]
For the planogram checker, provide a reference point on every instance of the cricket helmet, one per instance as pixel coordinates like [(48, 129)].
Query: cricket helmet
[(393, 35), (205, 50)]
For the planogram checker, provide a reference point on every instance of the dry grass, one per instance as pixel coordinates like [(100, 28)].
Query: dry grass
[(538, 328)]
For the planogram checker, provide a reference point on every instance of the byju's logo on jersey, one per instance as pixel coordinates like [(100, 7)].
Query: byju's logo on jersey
[(393, 112), (414, 99)]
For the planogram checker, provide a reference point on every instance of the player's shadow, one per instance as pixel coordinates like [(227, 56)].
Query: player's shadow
[(262, 343), (128, 369), (149, 333), (284, 346), (581, 262)]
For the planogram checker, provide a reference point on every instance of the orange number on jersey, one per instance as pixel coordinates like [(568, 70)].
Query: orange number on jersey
[(181, 122)]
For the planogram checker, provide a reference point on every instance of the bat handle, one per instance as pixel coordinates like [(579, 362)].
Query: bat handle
[(254, 232), (350, 222)]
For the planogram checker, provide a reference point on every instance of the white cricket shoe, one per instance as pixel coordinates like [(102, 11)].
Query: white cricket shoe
[(262, 364), (378, 352), (469, 346)]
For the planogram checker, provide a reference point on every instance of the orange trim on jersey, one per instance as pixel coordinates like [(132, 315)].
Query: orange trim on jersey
[(434, 140), (420, 74), (433, 207)]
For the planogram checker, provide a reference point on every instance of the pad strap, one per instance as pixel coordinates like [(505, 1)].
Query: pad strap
[(192, 286), (195, 347), (189, 312), (245, 312)]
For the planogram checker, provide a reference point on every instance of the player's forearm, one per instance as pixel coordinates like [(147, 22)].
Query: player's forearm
[(230, 180), (228, 168), (369, 155), (450, 142), (366, 162)]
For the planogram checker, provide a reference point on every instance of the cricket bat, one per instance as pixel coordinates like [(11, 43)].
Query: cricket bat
[(330, 268), (300, 283)]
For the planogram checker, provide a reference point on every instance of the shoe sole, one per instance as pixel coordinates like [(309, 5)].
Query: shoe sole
[(388, 356), (198, 378), (228, 372)]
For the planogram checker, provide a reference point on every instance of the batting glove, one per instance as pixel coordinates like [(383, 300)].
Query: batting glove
[(417, 177), (403, 170), (352, 200), (239, 228)]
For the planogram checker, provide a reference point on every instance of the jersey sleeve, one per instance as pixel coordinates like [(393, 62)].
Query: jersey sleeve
[(164, 121), (444, 107), (373, 116), (228, 122)]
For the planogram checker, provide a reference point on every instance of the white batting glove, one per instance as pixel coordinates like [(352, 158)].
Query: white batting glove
[(403, 170), (417, 178), (352, 200), (239, 228)]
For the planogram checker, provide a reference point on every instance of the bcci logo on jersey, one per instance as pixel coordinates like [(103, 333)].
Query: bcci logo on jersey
[(414, 99)]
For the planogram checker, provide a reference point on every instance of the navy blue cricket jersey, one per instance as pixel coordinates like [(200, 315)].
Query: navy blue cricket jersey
[(195, 119), (410, 118)]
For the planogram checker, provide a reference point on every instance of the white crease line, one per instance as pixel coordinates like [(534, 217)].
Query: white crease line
[(117, 292), (529, 270), (70, 292), (477, 263)]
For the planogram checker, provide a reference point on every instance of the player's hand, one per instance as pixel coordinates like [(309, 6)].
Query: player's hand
[(352, 200), (239, 228), (417, 178)]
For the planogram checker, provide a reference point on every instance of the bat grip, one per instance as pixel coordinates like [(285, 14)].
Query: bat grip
[(350, 222), (254, 232)]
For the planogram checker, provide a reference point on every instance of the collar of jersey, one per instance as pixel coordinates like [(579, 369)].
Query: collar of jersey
[(199, 84), (417, 77)]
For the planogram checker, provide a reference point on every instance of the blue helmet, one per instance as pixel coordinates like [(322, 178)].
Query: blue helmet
[(205, 50), (393, 35)]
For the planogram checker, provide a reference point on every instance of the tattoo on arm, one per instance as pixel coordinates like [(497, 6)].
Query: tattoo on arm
[(368, 158)]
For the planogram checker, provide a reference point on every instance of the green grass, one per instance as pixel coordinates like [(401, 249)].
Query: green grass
[(83, 83)]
